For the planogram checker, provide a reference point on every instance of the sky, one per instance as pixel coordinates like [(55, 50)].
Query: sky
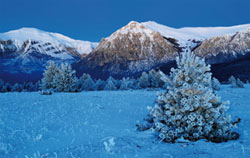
[(92, 20)]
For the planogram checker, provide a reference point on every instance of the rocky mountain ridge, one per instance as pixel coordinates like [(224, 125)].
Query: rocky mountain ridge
[(134, 48)]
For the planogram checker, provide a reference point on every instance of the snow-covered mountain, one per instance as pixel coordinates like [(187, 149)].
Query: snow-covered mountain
[(186, 34), (28, 50), (130, 50), (52, 44), (133, 48), (139, 47)]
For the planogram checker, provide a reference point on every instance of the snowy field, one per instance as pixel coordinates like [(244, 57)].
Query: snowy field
[(102, 124)]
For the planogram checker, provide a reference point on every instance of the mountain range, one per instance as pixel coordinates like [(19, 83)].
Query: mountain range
[(134, 48)]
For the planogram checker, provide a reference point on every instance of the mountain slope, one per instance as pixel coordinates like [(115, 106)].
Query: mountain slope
[(185, 34), (26, 51), (139, 47), (131, 49), (60, 42)]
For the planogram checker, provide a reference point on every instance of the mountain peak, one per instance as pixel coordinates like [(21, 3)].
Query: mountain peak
[(24, 34), (198, 33)]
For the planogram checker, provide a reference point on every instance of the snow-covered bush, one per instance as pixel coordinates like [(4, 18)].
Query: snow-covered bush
[(215, 84), (189, 108), (235, 83), (46, 92)]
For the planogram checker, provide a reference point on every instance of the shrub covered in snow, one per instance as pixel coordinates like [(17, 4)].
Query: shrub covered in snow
[(189, 108)]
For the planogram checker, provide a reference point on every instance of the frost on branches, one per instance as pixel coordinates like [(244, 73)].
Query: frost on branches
[(189, 108)]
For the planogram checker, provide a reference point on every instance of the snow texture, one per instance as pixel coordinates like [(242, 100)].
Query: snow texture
[(189, 33), (76, 125), (32, 34)]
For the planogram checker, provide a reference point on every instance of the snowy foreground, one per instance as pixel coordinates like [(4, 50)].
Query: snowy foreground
[(102, 124)]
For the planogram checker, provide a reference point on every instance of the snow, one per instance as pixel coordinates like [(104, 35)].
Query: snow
[(102, 124), (198, 33), (24, 34), (132, 27)]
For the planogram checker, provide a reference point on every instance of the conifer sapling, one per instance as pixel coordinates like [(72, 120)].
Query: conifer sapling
[(189, 108)]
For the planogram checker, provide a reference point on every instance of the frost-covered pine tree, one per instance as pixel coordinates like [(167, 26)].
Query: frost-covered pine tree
[(99, 85), (239, 83), (87, 83), (65, 80), (48, 76), (189, 108), (158, 77), (7, 87), (144, 80), (124, 84), (235, 83), (1, 85), (110, 85), (17, 87), (152, 78), (215, 84)]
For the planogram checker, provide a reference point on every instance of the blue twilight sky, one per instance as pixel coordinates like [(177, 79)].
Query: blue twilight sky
[(93, 19)]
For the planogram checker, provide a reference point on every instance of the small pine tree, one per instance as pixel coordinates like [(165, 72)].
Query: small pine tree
[(1, 85), (7, 87), (99, 85), (152, 78), (239, 83), (124, 84), (110, 85), (65, 80), (215, 84), (48, 76), (144, 80), (189, 108), (232, 81), (235, 83), (88, 83), (159, 80), (17, 88)]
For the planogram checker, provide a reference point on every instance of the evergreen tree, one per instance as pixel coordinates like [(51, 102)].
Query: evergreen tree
[(88, 83), (124, 84), (65, 80), (189, 108), (144, 80), (99, 84), (7, 87), (1, 85), (110, 85), (215, 84), (48, 76), (17, 88), (152, 79), (232, 81), (235, 83), (239, 83)]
